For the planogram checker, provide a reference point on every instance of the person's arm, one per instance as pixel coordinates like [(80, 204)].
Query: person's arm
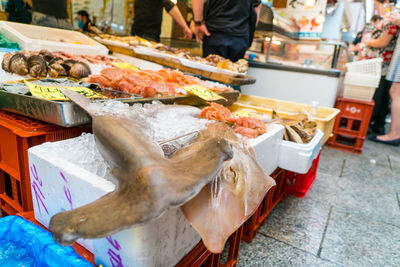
[(258, 10), (177, 16), (199, 30), (29, 2), (394, 18), (382, 41)]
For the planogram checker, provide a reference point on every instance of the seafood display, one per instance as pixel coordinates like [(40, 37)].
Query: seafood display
[(300, 128), (241, 66), (148, 182), (43, 64), (148, 83), (246, 126)]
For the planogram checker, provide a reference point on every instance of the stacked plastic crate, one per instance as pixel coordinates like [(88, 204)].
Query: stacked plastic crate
[(17, 134), (356, 106)]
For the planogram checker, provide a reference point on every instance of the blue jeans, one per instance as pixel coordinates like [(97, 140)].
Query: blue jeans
[(225, 45)]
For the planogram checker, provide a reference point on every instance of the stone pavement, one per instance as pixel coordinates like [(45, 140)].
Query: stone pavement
[(350, 216)]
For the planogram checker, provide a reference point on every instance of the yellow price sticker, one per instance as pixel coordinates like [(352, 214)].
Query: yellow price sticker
[(54, 92), (202, 92), (247, 113), (124, 65)]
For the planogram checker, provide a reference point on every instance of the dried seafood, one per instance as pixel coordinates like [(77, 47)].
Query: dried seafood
[(299, 128)]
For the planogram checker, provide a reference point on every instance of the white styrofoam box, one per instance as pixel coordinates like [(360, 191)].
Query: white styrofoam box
[(32, 37), (140, 63), (267, 147), (162, 242), (299, 157)]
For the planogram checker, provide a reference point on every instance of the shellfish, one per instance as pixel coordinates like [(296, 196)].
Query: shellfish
[(19, 64), (37, 66)]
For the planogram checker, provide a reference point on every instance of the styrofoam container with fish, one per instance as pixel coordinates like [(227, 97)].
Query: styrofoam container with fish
[(298, 158), (32, 37), (59, 183)]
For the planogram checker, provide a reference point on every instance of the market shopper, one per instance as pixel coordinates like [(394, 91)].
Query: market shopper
[(225, 26), (393, 137), (382, 44), (51, 13), (19, 11), (148, 18)]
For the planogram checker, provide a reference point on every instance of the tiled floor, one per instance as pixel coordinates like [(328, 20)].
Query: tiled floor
[(350, 216)]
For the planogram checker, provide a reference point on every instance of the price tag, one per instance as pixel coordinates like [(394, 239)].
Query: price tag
[(54, 93), (124, 65), (247, 113), (202, 92)]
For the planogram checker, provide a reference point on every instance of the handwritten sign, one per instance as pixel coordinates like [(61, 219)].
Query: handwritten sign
[(54, 92), (124, 65), (202, 92), (37, 190), (115, 257)]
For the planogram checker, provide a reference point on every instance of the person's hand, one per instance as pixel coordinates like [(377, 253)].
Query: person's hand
[(187, 33), (200, 31), (394, 18)]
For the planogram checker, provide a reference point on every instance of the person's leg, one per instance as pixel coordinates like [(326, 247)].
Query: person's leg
[(381, 108), (44, 20), (216, 43), (394, 132)]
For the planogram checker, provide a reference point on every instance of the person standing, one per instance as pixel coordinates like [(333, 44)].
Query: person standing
[(148, 18), (393, 136), (382, 44), (51, 13), (19, 11), (225, 26)]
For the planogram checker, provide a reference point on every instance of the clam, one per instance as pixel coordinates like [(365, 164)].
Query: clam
[(48, 56), (19, 64), (56, 70), (5, 64), (79, 70), (37, 66)]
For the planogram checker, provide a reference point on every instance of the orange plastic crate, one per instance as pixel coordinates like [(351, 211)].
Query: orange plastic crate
[(271, 199), (345, 142), (354, 117), (17, 135), (201, 256)]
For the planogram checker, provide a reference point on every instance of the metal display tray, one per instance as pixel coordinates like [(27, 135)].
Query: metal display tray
[(67, 114)]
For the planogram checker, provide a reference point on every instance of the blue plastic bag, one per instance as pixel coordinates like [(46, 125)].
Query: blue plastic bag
[(33, 246)]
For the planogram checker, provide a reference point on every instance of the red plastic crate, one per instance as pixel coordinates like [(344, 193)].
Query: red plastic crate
[(84, 253), (299, 184), (17, 135), (201, 256), (354, 117), (349, 143), (271, 199)]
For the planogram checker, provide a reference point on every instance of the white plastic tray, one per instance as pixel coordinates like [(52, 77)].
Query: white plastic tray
[(298, 158), (35, 38)]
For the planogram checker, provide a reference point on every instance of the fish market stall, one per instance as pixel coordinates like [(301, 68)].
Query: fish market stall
[(169, 164)]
